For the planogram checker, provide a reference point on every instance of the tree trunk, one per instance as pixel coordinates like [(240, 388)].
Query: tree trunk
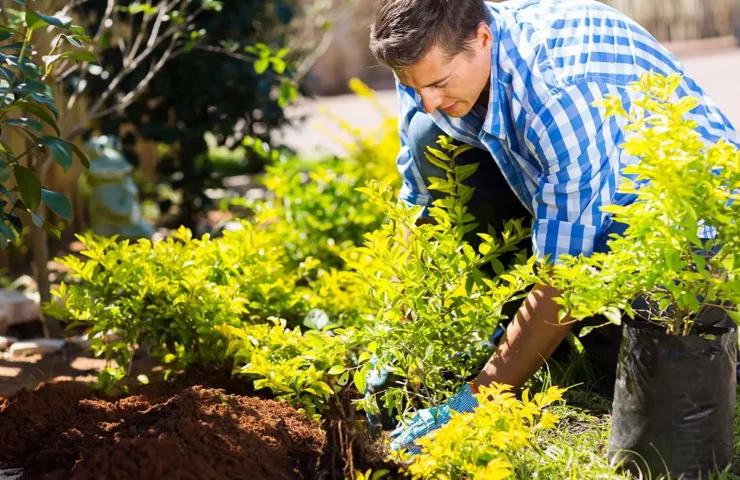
[(40, 248), (52, 328)]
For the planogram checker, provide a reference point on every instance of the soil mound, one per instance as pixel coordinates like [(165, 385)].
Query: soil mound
[(60, 430)]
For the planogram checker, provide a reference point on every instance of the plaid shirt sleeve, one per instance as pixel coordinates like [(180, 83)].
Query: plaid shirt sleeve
[(413, 189), (580, 160)]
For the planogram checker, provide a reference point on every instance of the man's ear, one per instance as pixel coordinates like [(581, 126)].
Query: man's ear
[(483, 36)]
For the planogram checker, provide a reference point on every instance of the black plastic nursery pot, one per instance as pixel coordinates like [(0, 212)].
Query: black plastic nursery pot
[(674, 401)]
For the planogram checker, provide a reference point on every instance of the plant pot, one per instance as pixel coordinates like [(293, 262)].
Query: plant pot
[(674, 401)]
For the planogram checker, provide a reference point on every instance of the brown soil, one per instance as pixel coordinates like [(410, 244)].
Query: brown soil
[(60, 430)]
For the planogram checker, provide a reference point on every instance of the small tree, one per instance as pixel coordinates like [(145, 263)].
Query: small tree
[(28, 107)]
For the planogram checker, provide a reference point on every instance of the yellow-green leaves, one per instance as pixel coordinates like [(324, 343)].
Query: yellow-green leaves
[(485, 444), (428, 299), (303, 369), (683, 187)]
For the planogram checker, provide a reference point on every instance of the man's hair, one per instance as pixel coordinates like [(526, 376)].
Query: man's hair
[(406, 30)]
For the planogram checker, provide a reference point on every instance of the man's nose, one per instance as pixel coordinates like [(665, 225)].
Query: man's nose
[(431, 100)]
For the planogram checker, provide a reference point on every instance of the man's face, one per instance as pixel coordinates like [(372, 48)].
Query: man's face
[(451, 84)]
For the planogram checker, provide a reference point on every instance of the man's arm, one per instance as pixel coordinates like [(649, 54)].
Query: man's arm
[(530, 339), (577, 148)]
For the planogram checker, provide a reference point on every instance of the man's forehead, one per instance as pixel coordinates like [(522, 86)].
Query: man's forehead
[(433, 69)]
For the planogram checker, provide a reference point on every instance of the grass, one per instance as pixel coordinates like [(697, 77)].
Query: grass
[(576, 449)]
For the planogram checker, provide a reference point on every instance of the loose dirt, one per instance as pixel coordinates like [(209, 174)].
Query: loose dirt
[(61, 430)]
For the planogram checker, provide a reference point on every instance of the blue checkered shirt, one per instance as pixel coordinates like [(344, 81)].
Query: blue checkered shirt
[(551, 59)]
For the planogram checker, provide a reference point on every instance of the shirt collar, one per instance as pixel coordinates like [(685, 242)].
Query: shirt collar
[(493, 123)]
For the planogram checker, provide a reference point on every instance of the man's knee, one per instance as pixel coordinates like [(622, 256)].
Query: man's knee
[(423, 133)]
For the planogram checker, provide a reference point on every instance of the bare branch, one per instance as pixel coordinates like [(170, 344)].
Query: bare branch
[(128, 58), (157, 24), (236, 55), (130, 97), (106, 17)]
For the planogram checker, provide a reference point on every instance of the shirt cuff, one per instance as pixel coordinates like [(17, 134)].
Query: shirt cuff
[(415, 199), (553, 238)]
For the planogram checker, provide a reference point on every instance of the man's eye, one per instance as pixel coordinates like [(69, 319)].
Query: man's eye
[(442, 85)]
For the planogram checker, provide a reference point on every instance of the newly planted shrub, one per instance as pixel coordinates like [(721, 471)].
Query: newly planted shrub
[(318, 209), (429, 300), (303, 368), (675, 274)]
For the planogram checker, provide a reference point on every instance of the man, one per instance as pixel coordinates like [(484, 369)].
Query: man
[(517, 80)]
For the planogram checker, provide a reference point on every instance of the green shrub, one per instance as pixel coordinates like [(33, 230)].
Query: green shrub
[(304, 369), (319, 210), (170, 295), (679, 184), (485, 444), (428, 297)]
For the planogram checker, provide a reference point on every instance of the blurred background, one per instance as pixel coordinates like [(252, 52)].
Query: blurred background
[(194, 112)]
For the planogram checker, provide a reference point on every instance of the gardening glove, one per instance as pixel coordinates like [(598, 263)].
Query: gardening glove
[(374, 381), (430, 419)]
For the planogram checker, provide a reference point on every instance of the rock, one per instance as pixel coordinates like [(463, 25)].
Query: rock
[(36, 346), (11, 474), (6, 342), (16, 308)]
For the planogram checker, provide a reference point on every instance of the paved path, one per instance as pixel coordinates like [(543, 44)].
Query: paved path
[(717, 71)]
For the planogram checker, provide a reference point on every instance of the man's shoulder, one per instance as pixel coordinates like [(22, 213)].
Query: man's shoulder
[(562, 41)]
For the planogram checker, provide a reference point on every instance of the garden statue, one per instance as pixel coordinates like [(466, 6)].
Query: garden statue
[(114, 201)]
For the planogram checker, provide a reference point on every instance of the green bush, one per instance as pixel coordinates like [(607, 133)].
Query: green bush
[(318, 207), (304, 369), (170, 295), (679, 184), (428, 297)]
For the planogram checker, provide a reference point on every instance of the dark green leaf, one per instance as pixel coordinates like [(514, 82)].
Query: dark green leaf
[(5, 231), (48, 101), (4, 172), (73, 40), (7, 74), (41, 113), (30, 69), (35, 20), (35, 87), (24, 122), (57, 203), (61, 150), (16, 222), (81, 156), (18, 46), (29, 185), (5, 35), (7, 193)]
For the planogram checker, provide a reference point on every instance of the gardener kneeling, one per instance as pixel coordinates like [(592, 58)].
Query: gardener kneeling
[(517, 81)]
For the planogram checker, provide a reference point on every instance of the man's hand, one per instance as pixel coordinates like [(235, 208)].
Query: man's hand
[(430, 419), (530, 339)]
